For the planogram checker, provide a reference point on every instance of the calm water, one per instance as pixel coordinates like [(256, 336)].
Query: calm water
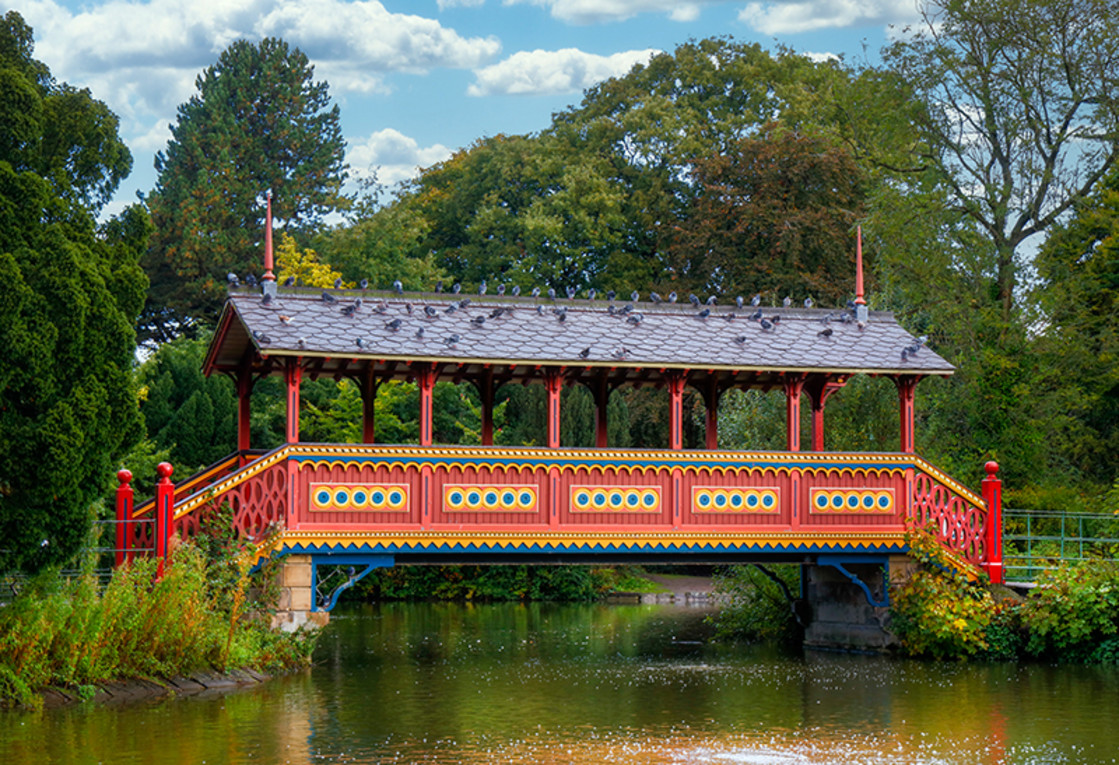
[(548, 684)]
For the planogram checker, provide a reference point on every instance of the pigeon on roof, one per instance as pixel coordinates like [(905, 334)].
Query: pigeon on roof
[(655, 298), (457, 288), (289, 282), (338, 283), (788, 301), (393, 325), (439, 286), (501, 289), (364, 284), (482, 288), (693, 300), (635, 296), (398, 287), (585, 352), (711, 300), (672, 297), (756, 300)]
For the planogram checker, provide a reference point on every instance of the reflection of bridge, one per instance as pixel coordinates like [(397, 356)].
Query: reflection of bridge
[(369, 505)]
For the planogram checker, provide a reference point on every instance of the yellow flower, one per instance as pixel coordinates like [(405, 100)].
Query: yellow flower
[(960, 624)]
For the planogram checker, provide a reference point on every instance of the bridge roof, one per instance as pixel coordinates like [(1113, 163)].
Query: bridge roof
[(516, 336)]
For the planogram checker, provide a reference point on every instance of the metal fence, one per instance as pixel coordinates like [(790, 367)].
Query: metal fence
[(1043, 540)]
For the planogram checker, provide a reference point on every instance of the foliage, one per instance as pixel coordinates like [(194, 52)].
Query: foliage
[(258, 123), (70, 295), (756, 608), (938, 612), (63, 631), (1020, 110), (304, 266), (493, 583), (1072, 611)]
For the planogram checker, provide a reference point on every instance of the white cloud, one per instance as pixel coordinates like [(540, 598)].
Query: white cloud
[(394, 156), (445, 4), (600, 11), (777, 18), (545, 72)]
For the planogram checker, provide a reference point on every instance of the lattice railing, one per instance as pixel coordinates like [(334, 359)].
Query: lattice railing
[(958, 515)]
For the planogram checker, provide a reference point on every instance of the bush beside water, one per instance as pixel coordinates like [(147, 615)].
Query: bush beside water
[(66, 632)]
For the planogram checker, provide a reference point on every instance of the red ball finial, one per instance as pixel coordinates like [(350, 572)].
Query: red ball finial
[(991, 467), (164, 470), (124, 476)]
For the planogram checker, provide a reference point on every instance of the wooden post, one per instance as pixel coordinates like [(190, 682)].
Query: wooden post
[(164, 505), (907, 385), (293, 375), (676, 381), (601, 402), (486, 394), (124, 518), (368, 402), (553, 382), (819, 388), (794, 384), (711, 418), (244, 394), (425, 378), (992, 495)]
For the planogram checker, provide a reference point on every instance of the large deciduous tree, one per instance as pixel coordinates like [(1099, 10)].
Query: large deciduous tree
[(1021, 111), (70, 297), (258, 122)]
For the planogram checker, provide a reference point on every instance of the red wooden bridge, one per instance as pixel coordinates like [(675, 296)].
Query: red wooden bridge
[(368, 505)]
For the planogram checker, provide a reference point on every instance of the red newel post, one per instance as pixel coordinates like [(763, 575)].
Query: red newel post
[(992, 495), (164, 503), (124, 517)]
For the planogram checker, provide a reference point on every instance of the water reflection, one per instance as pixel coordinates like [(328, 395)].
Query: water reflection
[(548, 684)]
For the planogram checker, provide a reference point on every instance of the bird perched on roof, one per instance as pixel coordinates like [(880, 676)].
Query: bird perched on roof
[(922, 339), (516, 290), (451, 340), (672, 297), (451, 308), (398, 287), (289, 282), (464, 303), (482, 288), (478, 321), (267, 299), (364, 284), (285, 319), (536, 292), (808, 302), (232, 279), (825, 332), (328, 298), (359, 342), (431, 312), (904, 354), (635, 296), (250, 280), (439, 286), (756, 300), (457, 288), (571, 293), (261, 338), (620, 353), (703, 314), (739, 302), (338, 283), (711, 300), (552, 294), (693, 300), (741, 339), (420, 333), (393, 325), (788, 301), (585, 352), (540, 309), (409, 308), (766, 324), (562, 317), (610, 295), (730, 316), (775, 320), (756, 315), (348, 310), (655, 298), (591, 293), (497, 313), (501, 289), (636, 318)]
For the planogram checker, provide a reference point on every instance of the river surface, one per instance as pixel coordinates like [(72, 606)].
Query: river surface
[(544, 684)]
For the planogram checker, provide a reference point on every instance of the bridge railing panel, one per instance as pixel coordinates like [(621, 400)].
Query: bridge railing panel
[(958, 515), (854, 497), (747, 495)]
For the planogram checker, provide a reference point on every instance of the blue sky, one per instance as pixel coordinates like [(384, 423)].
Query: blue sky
[(414, 80)]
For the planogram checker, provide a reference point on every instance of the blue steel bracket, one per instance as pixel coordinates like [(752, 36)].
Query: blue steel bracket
[(840, 562), (326, 601)]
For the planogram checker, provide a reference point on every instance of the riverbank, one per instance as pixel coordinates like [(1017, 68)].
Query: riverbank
[(130, 691)]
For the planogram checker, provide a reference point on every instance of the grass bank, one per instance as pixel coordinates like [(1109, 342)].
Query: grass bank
[(67, 632)]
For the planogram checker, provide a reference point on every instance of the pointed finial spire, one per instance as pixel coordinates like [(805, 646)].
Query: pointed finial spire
[(861, 312), (268, 275)]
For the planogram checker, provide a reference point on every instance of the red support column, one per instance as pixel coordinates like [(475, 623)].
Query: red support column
[(486, 394), (992, 495), (244, 394), (425, 378), (368, 402), (124, 517), (553, 382), (907, 385), (794, 384), (711, 419), (601, 393), (676, 380), (293, 376), (164, 517), (819, 388)]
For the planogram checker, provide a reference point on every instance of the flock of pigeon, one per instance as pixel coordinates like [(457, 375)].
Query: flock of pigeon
[(627, 312)]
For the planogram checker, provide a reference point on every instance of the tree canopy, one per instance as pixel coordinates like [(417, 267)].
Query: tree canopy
[(258, 123), (71, 293)]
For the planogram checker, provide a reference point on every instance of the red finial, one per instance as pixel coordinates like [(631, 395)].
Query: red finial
[(268, 275), (991, 467), (859, 299), (124, 476), (164, 471)]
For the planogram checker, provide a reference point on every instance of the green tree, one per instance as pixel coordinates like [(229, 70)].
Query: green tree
[(259, 122), (1021, 111), (71, 293)]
